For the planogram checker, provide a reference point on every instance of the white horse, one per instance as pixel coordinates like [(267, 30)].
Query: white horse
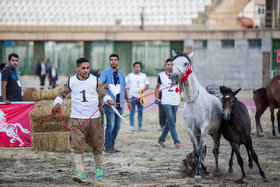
[(202, 112), (11, 129)]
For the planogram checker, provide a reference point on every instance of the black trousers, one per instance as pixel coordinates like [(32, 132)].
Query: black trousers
[(42, 80), (52, 82), (162, 116)]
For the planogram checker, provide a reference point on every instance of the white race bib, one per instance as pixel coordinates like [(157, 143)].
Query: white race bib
[(115, 89), (18, 83)]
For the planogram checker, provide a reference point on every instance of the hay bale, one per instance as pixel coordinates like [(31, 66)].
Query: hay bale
[(52, 141), (44, 107), (49, 94), (47, 126)]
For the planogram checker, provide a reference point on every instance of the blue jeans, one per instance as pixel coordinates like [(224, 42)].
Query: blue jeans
[(113, 126), (140, 113), (170, 112)]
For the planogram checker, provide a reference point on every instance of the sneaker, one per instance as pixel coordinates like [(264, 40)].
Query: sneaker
[(110, 151), (161, 144), (141, 129), (117, 151), (177, 145), (98, 173), (81, 178), (132, 128)]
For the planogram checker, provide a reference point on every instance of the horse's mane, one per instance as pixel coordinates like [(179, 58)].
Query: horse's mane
[(214, 89), (179, 54)]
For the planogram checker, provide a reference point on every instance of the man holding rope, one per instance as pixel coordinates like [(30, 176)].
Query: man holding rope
[(138, 83), (170, 101), (85, 89), (114, 83)]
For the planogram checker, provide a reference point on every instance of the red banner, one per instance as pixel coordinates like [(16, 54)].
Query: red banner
[(15, 124)]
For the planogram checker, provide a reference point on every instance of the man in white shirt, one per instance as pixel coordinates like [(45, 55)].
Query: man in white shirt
[(52, 75), (41, 71), (138, 83), (85, 89), (170, 101)]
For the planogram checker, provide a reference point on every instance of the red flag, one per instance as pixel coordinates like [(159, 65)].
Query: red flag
[(15, 124)]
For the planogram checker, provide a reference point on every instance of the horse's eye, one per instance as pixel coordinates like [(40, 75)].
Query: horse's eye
[(186, 64)]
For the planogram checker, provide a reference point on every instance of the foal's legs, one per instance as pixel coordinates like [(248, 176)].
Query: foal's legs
[(258, 115), (255, 157), (249, 156), (235, 148), (230, 163)]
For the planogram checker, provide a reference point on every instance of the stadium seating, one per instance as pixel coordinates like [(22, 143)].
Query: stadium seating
[(99, 12)]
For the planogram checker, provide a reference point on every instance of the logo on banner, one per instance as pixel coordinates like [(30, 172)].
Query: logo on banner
[(11, 129)]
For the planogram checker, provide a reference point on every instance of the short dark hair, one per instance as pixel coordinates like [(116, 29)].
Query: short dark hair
[(81, 60), (167, 60), (114, 55), (2, 66), (12, 54), (135, 63)]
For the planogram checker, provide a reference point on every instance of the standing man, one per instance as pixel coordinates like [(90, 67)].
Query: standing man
[(41, 71), (52, 75), (10, 84), (2, 66), (114, 83), (170, 101), (138, 83), (85, 89)]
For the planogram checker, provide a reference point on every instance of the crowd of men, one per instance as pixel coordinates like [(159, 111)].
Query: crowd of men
[(86, 89)]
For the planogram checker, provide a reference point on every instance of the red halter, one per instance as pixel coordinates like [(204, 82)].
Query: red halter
[(185, 76)]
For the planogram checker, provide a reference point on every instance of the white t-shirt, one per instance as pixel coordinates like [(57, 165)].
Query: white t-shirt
[(169, 96), (136, 82), (84, 97), (53, 72)]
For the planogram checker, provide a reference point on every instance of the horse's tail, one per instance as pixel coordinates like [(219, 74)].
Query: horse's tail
[(214, 89), (25, 131)]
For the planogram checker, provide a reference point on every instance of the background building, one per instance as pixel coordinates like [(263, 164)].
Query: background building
[(235, 42)]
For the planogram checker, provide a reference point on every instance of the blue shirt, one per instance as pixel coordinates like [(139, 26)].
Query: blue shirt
[(106, 77)]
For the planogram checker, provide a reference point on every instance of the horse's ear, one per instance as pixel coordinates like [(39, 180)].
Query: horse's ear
[(191, 55), (236, 92), (173, 53), (222, 89)]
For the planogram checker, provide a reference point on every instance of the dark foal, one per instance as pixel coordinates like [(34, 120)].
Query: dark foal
[(236, 128)]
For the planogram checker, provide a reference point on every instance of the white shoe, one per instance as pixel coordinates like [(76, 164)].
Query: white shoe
[(132, 128)]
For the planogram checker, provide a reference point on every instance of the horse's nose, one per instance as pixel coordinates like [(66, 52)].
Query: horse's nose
[(226, 115), (174, 78)]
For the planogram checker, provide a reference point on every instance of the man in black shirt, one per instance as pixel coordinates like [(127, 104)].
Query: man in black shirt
[(11, 87)]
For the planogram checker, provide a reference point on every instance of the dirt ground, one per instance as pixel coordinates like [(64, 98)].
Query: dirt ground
[(142, 162)]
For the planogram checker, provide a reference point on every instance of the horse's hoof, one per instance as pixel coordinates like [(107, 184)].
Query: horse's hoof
[(241, 181), (264, 180), (197, 178), (230, 170), (217, 173), (251, 165), (210, 176)]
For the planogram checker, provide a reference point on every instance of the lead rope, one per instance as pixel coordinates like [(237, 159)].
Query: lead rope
[(48, 117)]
